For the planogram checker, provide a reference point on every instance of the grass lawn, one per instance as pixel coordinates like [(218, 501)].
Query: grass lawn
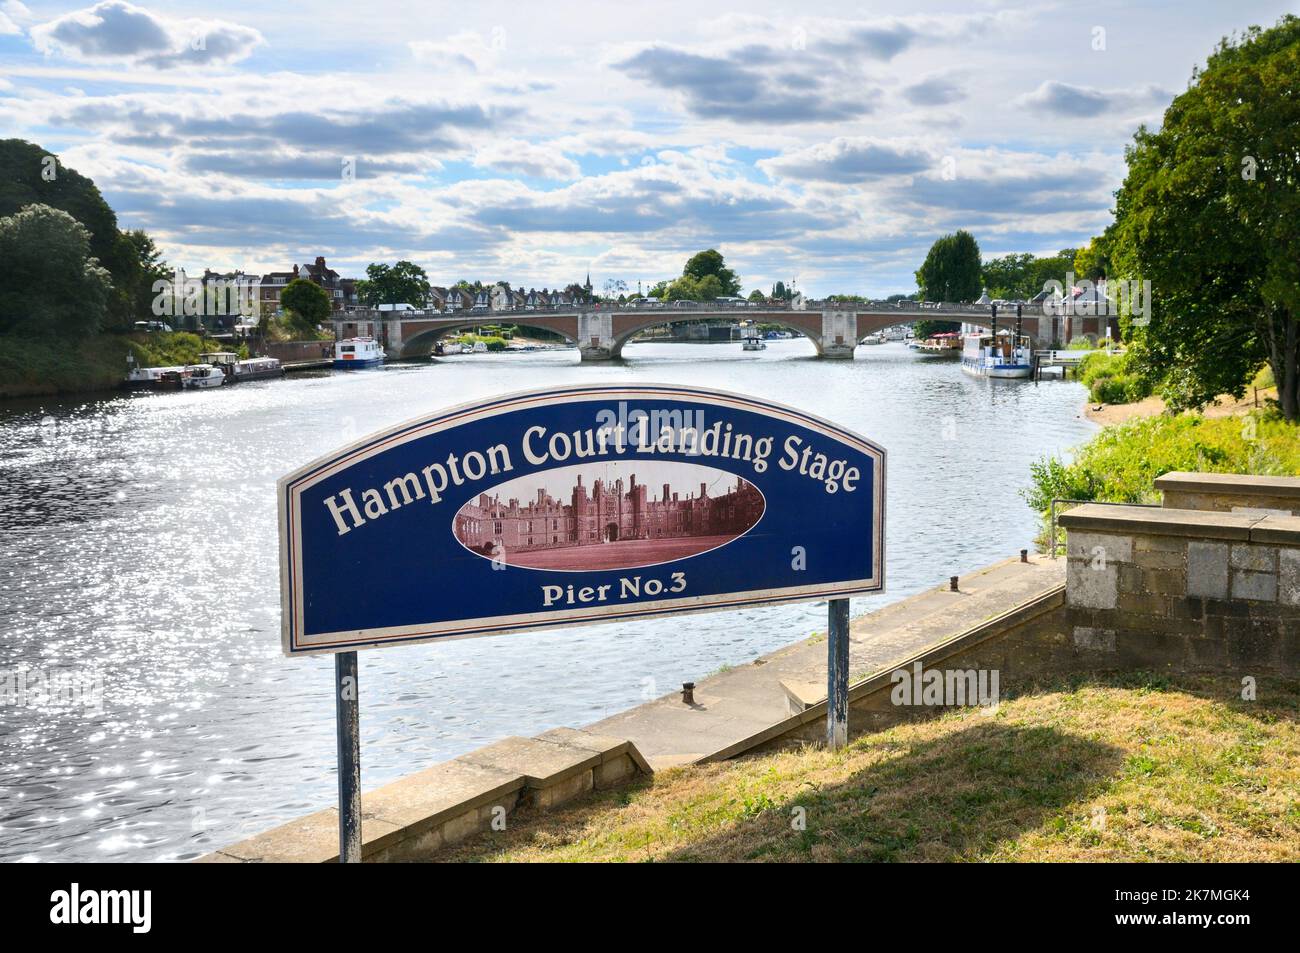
[(1123, 769)]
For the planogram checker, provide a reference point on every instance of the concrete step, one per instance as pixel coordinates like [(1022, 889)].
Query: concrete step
[(741, 702)]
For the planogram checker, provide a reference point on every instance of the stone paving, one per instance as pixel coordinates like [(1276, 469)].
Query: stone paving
[(740, 702)]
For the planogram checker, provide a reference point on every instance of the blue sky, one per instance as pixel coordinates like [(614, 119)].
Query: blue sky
[(823, 142)]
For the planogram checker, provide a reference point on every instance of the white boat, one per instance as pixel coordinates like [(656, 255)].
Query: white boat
[(203, 376), (140, 378), (358, 352), (874, 339), (983, 356), (751, 339)]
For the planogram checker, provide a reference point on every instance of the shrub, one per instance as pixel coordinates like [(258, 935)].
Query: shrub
[(1120, 464), (1113, 378)]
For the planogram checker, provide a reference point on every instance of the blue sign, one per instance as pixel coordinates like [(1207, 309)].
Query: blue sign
[(576, 505)]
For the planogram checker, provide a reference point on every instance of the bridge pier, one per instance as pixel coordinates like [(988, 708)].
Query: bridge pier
[(392, 339), (596, 336), (839, 335)]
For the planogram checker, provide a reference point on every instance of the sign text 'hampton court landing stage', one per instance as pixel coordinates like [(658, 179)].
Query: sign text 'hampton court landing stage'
[(575, 505)]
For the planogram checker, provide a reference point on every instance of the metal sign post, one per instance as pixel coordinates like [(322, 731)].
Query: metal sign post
[(347, 711), (837, 675)]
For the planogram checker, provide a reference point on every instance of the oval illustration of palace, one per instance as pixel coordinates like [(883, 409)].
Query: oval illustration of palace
[(621, 515)]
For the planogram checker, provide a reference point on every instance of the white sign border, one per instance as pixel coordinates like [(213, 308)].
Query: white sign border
[(289, 489)]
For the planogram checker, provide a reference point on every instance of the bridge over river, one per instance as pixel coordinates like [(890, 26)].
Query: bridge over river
[(600, 332)]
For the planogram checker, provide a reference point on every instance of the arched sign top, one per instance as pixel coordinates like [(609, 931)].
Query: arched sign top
[(575, 505)]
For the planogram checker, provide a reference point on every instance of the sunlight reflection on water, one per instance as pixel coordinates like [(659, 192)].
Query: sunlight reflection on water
[(140, 551)]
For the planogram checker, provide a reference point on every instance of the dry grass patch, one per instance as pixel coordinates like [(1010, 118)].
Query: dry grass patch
[(1131, 768)]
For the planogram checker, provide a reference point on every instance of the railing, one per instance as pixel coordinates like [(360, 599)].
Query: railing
[(919, 308), (1071, 358)]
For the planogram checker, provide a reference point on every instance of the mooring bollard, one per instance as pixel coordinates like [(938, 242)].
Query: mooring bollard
[(1024, 555), (952, 584), (688, 693)]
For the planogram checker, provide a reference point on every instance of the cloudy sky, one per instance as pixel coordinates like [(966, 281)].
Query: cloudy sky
[(824, 142)]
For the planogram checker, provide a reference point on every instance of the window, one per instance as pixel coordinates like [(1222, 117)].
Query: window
[(498, 527)]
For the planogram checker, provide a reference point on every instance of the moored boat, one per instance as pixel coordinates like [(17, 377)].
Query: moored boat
[(946, 345), (354, 353), (203, 376), (983, 355), (142, 378), (237, 369)]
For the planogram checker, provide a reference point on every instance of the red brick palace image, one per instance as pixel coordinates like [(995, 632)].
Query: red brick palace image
[(605, 525)]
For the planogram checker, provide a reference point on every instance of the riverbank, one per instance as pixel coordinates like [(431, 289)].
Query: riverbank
[(1126, 768), (32, 367), (36, 367), (1107, 414)]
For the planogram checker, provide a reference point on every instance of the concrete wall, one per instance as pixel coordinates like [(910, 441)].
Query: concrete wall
[(1215, 589), (410, 819), (290, 352), (1231, 493), (1024, 644)]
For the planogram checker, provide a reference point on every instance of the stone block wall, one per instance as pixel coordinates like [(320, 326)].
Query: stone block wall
[(1185, 590), (1231, 493)]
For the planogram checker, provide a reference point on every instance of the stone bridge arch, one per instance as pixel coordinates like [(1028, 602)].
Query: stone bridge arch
[(419, 342), (417, 339), (626, 325), (873, 322)]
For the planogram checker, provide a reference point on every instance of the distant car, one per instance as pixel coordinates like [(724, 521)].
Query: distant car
[(686, 304), (152, 326)]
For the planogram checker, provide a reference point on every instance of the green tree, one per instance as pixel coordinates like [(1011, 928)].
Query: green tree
[(711, 264), (138, 270), (52, 284), (1093, 260), (1006, 277), (31, 175), (1208, 214), (306, 303), (682, 289), (925, 329), (951, 271), (402, 283)]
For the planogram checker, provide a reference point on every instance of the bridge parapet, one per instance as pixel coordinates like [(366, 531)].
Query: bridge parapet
[(601, 330), (906, 310)]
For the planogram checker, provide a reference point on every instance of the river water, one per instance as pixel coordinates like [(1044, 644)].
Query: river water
[(138, 566)]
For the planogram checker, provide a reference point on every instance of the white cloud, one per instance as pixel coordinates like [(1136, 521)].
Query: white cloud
[(116, 31), (1068, 101), (851, 160), (542, 161)]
